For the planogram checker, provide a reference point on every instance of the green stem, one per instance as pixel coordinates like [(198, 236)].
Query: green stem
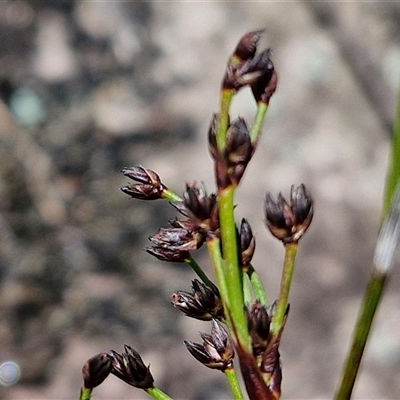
[(232, 273), (85, 394), (255, 132), (157, 394), (214, 248), (234, 383), (223, 121), (286, 281), (199, 271), (258, 286), (371, 301), (393, 176), (383, 262), (171, 196)]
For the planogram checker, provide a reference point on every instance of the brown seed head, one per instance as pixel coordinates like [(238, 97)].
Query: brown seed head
[(202, 209), (264, 87), (289, 221), (149, 187), (246, 67), (96, 370), (204, 303), (216, 351), (177, 239), (130, 368)]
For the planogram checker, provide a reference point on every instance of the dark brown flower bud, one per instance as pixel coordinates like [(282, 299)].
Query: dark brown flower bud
[(238, 144), (239, 150), (165, 254), (202, 208), (259, 318), (96, 370), (179, 239), (289, 222), (247, 45), (149, 187), (216, 351), (130, 368), (249, 68), (247, 243), (265, 86), (204, 303)]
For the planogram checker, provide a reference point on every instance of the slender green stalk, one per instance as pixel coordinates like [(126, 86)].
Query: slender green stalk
[(255, 132), (157, 394), (286, 281), (232, 273), (258, 286), (384, 252), (199, 271), (370, 304), (86, 394), (234, 383), (214, 249), (168, 194)]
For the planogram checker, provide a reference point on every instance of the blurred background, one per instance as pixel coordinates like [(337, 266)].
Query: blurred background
[(87, 88)]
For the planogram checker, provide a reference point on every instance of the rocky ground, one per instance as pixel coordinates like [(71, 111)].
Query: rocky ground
[(87, 88)]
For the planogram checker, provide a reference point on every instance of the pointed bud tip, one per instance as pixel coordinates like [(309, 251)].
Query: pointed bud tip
[(247, 46)]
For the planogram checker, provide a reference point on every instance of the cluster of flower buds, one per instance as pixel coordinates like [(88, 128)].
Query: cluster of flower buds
[(289, 221), (216, 351), (247, 243), (182, 236), (203, 303), (96, 370), (130, 368), (247, 67), (149, 186)]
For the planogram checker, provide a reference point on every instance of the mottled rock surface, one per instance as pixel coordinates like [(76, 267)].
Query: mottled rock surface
[(90, 87)]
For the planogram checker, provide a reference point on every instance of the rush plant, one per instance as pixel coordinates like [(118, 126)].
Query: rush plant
[(246, 329)]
